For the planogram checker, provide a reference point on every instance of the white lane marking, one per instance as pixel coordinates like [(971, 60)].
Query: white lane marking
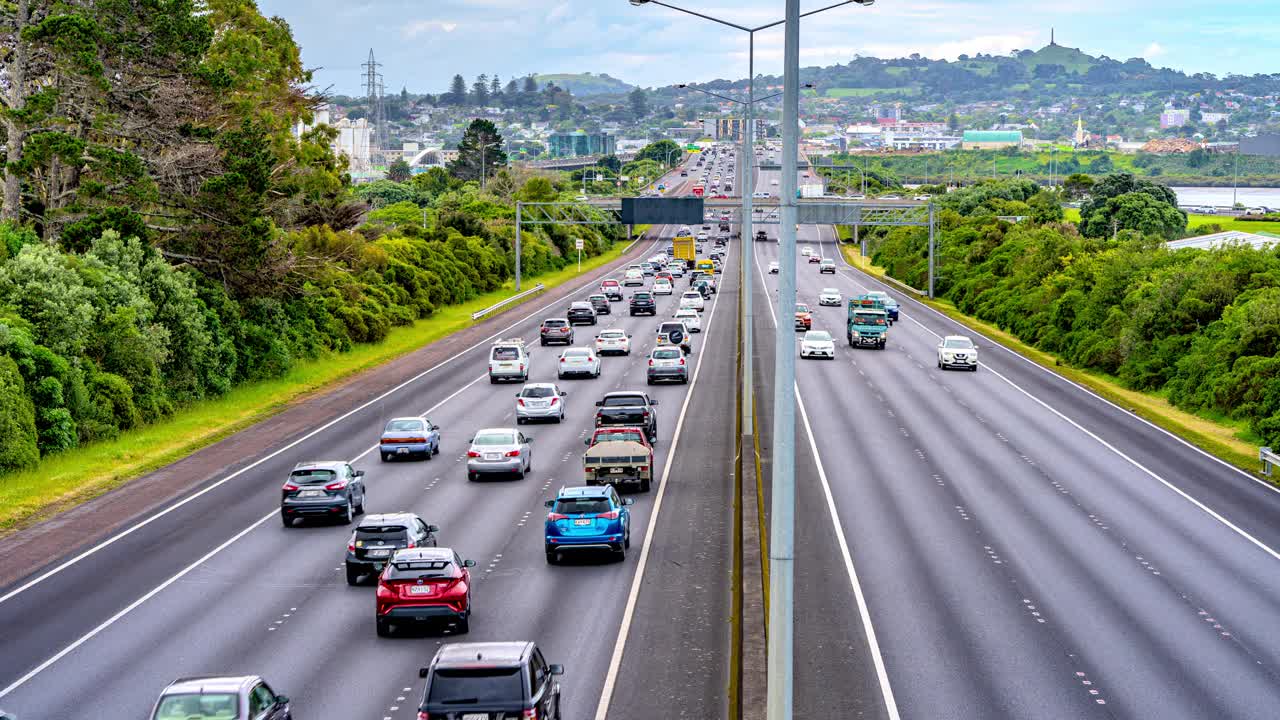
[(615, 661), (1076, 385), (138, 526), (882, 674), (1150, 473)]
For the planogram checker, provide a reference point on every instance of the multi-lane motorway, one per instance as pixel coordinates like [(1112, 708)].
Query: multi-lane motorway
[(996, 544), (1022, 548)]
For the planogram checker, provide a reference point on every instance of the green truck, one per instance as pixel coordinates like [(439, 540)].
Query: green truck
[(868, 323)]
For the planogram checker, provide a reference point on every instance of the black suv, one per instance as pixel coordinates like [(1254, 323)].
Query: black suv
[(601, 304), (581, 313), (327, 489), (556, 330), (642, 302), (377, 538), (491, 680)]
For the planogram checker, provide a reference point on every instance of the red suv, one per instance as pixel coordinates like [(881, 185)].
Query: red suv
[(424, 585)]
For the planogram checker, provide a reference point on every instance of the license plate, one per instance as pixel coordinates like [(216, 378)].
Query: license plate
[(475, 716), (421, 590), (379, 553), (311, 493), (581, 522), (617, 471), (402, 451), (492, 456)]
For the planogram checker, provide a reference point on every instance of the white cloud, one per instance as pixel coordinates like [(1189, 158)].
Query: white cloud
[(419, 27), (1153, 50)]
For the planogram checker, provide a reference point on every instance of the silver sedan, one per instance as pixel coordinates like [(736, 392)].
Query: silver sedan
[(540, 400), (499, 451)]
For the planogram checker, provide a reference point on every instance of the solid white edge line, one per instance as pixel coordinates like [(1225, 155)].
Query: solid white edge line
[(219, 483), (187, 570), (864, 612), (1173, 436), (615, 660), (1150, 473)]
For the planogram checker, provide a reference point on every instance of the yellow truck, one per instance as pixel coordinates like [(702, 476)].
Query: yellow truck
[(683, 249)]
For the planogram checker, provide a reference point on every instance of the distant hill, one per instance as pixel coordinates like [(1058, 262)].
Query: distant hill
[(585, 83), (1070, 58)]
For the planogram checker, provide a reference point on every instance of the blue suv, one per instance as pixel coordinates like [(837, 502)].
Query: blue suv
[(588, 518)]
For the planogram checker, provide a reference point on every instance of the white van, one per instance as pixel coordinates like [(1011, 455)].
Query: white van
[(508, 360)]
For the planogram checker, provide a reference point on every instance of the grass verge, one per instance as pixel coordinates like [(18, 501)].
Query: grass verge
[(1225, 440), (67, 479), (1194, 221)]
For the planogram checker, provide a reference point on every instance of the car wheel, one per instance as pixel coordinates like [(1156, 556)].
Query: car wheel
[(348, 513), (626, 540), (649, 381), (360, 507), (435, 449), (471, 477), (519, 420), (552, 557), (428, 454), (464, 625), (561, 418), (543, 341), (973, 368), (288, 521), (644, 485), (385, 457), (493, 380), (384, 627), (353, 576)]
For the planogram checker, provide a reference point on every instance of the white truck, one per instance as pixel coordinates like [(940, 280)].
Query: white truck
[(810, 190)]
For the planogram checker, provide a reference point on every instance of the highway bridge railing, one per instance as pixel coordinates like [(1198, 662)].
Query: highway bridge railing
[(503, 303), (1269, 459)]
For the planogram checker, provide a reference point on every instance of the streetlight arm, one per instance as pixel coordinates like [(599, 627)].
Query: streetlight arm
[(698, 14), (717, 95)]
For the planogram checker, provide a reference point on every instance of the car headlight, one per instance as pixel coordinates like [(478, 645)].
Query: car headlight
[(948, 356)]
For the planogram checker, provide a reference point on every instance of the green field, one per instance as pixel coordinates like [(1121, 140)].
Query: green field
[(868, 92), (1227, 223), (69, 478)]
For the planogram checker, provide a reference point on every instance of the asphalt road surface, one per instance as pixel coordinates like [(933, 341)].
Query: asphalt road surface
[(1024, 549), (219, 586)]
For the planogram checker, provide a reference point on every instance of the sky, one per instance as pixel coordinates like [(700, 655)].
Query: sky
[(423, 44)]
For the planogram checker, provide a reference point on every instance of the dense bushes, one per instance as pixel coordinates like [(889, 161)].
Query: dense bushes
[(98, 342), (1201, 326)]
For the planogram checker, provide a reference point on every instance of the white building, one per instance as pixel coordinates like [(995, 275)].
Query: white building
[(355, 140), (919, 142)]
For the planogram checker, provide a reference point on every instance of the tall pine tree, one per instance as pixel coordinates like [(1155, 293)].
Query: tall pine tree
[(481, 146)]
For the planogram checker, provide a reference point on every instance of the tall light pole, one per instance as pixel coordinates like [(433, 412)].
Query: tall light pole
[(748, 186), (1235, 179)]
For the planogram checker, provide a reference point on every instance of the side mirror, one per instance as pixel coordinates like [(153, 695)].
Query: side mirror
[(549, 503), (628, 335), (653, 402), (422, 672), (555, 669), (563, 393), (528, 440), (433, 528), (281, 701), (628, 501), (359, 473), (599, 403), (517, 394), (586, 441), (468, 563)]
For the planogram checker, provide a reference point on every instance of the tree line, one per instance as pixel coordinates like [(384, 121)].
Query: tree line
[(1201, 327), (165, 236)]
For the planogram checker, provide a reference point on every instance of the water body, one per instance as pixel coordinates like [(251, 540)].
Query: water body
[(1221, 197)]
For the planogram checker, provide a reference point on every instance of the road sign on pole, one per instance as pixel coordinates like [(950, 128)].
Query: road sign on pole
[(578, 244)]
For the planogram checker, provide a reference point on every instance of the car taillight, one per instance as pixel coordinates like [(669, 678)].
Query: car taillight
[(554, 400), (520, 402), (681, 361), (650, 362), (386, 592), (412, 544), (590, 359), (645, 415), (561, 359), (611, 515), (513, 453), (556, 516), (472, 453), (423, 716), (289, 487), (530, 714), (351, 544), (340, 485), (521, 367), (643, 468)]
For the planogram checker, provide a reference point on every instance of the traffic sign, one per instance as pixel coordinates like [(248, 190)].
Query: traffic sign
[(577, 244)]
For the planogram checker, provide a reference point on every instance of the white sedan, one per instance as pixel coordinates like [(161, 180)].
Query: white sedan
[(817, 344), (693, 299), (957, 351), (806, 251), (690, 318), (613, 342), (662, 286), (829, 296), (773, 267), (578, 361)]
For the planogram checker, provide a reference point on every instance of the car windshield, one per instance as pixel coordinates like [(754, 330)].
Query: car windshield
[(498, 438), (208, 706), (958, 344), (476, 686), (641, 296), (817, 336), (423, 569), (580, 306), (598, 298), (576, 353), (622, 401), (538, 392), (830, 291), (384, 533), (312, 477), (582, 505), (554, 323), (612, 335), (505, 353), (692, 295), (628, 436), (404, 425), (664, 354), (869, 319), (802, 308)]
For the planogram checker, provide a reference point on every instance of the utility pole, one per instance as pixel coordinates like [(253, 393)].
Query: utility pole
[(780, 665), (1235, 179), (519, 208)]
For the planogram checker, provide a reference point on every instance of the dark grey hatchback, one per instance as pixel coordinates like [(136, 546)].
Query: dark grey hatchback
[(377, 538), (329, 489), (491, 680)]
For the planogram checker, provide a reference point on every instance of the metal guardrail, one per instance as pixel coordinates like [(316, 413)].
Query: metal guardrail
[(1268, 459), (518, 296)]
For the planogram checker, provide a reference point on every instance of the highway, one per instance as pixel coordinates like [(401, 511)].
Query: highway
[(1023, 548), (217, 585)]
